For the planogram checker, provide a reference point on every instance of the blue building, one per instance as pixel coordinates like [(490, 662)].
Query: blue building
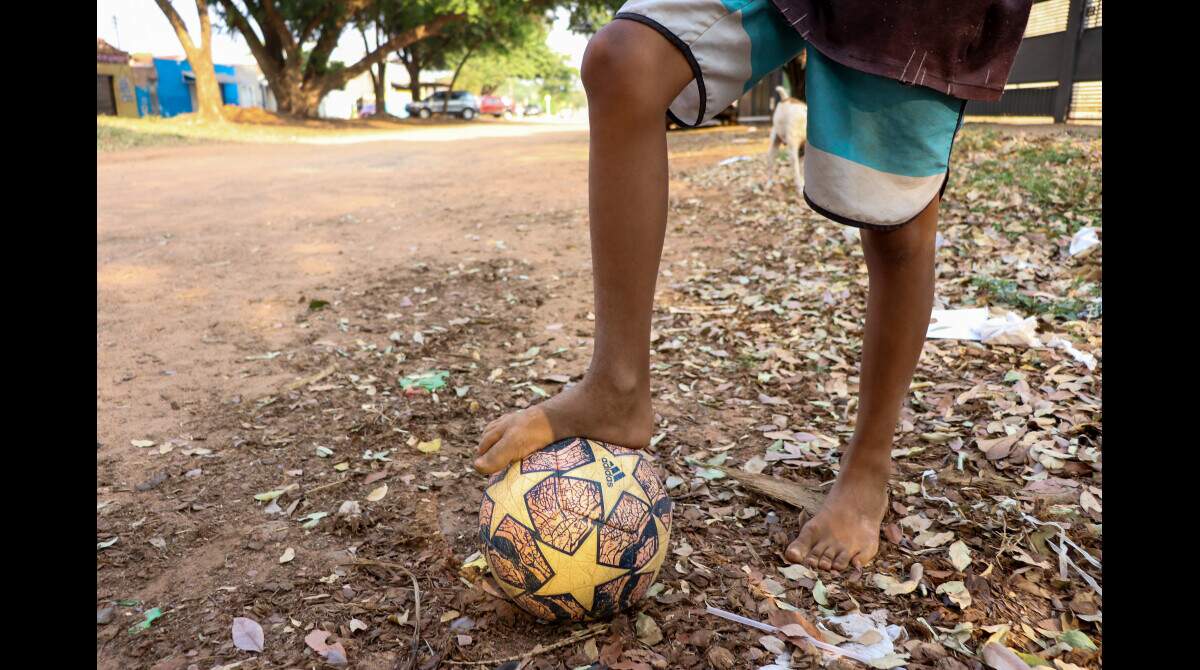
[(177, 85)]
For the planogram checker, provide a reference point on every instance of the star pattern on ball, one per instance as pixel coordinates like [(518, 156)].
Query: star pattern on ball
[(597, 470), (664, 537), (509, 494), (568, 578), (576, 530)]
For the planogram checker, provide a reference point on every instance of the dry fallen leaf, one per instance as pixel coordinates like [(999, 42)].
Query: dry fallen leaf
[(378, 494), (1000, 657), (797, 571), (288, 555), (647, 630), (928, 539), (755, 465), (334, 654), (957, 592), (247, 634), (960, 555)]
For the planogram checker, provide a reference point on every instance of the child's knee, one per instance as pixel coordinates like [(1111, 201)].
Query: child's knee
[(912, 243), (620, 62)]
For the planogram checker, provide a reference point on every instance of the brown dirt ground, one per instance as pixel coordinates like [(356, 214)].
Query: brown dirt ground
[(208, 258)]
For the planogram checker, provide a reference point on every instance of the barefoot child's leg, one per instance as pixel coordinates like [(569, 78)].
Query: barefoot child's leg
[(691, 58), (877, 158), (631, 74), (900, 263)]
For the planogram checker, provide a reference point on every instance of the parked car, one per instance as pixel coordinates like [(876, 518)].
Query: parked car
[(460, 103), (533, 109), (495, 105)]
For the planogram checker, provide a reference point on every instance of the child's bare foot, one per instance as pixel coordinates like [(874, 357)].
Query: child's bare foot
[(592, 408), (846, 529)]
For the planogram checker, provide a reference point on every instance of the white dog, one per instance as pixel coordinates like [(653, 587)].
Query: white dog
[(789, 126)]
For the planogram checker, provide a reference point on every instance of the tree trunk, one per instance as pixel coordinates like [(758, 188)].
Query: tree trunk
[(414, 78), (381, 90), (279, 55), (208, 92), (378, 81), (453, 79)]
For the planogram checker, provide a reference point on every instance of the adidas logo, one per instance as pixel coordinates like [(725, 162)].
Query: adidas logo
[(612, 473)]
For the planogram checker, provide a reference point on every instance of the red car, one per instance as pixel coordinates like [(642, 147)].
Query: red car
[(495, 105)]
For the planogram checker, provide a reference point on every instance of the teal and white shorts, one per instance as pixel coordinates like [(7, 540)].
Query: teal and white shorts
[(878, 151)]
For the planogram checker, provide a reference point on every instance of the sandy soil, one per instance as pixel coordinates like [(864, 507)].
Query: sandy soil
[(206, 254), (464, 248)]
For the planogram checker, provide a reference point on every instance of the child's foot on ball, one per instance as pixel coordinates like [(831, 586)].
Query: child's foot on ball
[(845, 531), (595, 409)]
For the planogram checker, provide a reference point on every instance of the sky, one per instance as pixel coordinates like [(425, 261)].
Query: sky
[(142, 27)]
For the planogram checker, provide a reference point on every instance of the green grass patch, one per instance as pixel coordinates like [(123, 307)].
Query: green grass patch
[(1059, 173), (1006, 291), (110, 138)]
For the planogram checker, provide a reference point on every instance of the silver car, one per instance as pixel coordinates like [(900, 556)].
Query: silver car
[(461, 103)]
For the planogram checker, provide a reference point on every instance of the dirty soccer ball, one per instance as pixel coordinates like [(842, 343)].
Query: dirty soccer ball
[(576, 530)]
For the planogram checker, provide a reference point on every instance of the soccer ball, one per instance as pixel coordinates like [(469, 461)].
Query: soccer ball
[(577, 530)]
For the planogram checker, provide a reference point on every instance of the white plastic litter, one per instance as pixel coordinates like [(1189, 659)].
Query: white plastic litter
[(956, 324), (1010, 329), (1083, 240), (771, 629), (735, 159), (1081, 356), (855, 625), (977, 325)]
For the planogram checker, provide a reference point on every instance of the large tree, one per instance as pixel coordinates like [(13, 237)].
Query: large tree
[(504, 26), (371, 22), (208, 92), (530, 60), (502, 34), (278, 32)]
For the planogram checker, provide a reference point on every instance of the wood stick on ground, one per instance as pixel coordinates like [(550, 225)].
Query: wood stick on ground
[(539, 649), (415, 644), (322, 487), (799, 494), (312, 379)]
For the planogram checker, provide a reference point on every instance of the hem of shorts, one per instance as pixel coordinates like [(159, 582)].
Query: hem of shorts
[(845, 220), (684, 49), (854, 223), (886, 68)]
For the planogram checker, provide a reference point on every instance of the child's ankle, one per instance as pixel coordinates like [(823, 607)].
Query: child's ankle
[(617, 382), (868, 459)]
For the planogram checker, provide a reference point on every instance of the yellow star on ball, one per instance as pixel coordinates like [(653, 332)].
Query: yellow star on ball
[(614, 474), (578, 578), (509, 496)]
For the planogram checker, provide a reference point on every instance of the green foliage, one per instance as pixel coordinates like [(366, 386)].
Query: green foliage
[(114, 139), (1007, 292), (1057, 174), (524, 63), (588, 16)]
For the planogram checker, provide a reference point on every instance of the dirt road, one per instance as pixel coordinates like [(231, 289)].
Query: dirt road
[(203, 252), (205, 255), (260, 305)]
